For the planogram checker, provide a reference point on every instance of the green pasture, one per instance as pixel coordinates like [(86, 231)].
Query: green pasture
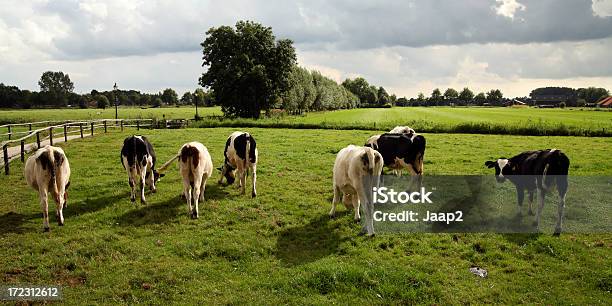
[(281, 247)]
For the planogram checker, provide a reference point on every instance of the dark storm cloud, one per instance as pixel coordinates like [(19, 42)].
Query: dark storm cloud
[(102, 29)]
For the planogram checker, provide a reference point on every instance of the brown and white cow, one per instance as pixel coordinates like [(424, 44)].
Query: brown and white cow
[(240, 155), (138, 159), (356, 171), (196, 167), (47, 171), (532, 170)]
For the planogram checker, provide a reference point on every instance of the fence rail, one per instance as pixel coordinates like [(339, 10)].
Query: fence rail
[(63, 129)]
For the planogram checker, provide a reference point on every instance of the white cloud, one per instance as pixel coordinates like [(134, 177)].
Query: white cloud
[(602, 8), (507, 8)]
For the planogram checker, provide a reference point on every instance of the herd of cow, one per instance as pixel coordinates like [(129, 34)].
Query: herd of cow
[(356, 171)]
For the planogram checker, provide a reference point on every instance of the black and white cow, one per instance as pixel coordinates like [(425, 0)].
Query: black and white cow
[(138, 159), (401, 151), (240, 155), (47, 171), (402, 130), (532, 170)]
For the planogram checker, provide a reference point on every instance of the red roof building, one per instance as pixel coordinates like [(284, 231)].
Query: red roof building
[(605, 102)]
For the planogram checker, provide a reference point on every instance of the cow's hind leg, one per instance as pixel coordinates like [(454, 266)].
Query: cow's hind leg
[(59, 215), (562, 188), (531, 192), (541, 196), (44, 204), (187, 192), (368, 208), (254, 179), (203, 187), (520, 195), (337, 198), (132, 182), (195, 192), (355, 200)]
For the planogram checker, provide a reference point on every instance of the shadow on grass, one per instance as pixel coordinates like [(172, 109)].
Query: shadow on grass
[(521, 238), (12, 222), (309, 242), (158, 213), (93, 204)]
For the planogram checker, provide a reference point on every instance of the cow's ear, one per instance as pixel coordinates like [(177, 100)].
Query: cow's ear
[(490, 164)]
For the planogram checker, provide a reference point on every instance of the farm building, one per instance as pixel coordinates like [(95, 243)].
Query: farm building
[(605, 102)]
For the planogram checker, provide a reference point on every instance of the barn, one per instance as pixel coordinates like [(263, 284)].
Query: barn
[(605, 102)]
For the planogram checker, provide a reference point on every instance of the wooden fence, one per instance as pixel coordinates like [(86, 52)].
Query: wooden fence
[(55, 129)]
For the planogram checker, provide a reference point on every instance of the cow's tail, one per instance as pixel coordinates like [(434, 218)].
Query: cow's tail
[(251, 145), (374, 166), (50, 161), (190, 152), (165, 166)]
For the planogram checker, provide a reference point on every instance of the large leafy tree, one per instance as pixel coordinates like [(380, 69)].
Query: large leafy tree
[(383, 96), (248, 69), (55, 86), (466, 95), (451, 94), (169, 96)]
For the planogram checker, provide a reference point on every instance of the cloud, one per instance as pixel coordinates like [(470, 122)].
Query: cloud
[(406, 46)]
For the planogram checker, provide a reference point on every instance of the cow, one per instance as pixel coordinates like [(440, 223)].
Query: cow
[(401, 151), (138, 159), (195, 166), (531, 170), (48, 170), (240, 155), (402, 130), (356, 171)]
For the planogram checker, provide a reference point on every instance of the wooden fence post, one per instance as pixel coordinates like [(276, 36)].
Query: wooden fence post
[(22, 150), (65, 133), (92, 124), (37, 139), (51, 135), (104, 126), (121, 122), (81, 128), (6, 158), (138, 125), (29, 127), (9, 132)]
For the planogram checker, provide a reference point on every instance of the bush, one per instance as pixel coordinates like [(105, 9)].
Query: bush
[(562, 105)]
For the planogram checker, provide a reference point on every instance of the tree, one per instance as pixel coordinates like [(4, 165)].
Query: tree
[(436, 95), (480, 98), (187, 98), (592, 94), (402, 101), (494, 95), (366, 93), (450, 94), (421, 97), (169, 96), (101, 101), (247, 67), (56, 86), (466, 95), (383, 96), (157, 102), (301, 93)]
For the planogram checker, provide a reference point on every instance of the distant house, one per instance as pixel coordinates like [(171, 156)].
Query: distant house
[(605, 102), (514, 102)]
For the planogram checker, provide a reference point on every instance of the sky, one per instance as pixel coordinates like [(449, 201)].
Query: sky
[(407, 46)]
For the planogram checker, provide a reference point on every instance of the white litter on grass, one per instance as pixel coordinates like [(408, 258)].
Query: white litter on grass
[(479, 271)]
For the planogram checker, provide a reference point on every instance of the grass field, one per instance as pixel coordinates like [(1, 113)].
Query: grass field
[(474, 120), (31, 115), (281, 247)]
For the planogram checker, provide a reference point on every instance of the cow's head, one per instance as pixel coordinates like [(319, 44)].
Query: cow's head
[(228, 172), (157, 176), (502, 167)]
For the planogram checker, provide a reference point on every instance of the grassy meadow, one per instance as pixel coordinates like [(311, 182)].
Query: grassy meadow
[(281, 247), (472, 120)]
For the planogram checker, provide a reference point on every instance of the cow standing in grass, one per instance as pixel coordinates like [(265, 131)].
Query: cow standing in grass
[(138, 159), (356, 171), (240, 155), (195, 166), (372, 142), (532, 170), (47, 171)]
